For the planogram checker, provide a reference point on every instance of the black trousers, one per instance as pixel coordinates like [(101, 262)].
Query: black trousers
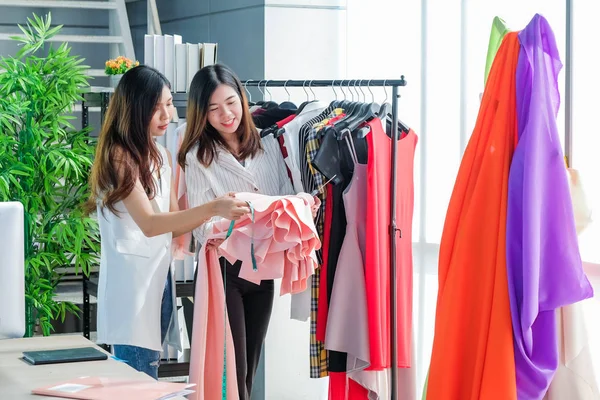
[(249, 309)]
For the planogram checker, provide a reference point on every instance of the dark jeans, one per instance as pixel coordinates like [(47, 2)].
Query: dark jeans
[(249, 309), (146, 360)]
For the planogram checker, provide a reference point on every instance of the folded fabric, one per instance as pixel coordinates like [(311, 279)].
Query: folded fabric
[(284, 237)]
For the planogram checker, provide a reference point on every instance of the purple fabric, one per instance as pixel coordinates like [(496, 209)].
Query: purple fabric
[(543, 262)]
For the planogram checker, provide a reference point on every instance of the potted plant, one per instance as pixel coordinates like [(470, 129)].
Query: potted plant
[(44, 164), (115, 68)]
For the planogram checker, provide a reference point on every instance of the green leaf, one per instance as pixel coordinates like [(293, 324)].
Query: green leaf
[(52, 32)]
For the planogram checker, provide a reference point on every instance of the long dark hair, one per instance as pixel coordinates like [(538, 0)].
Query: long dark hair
[(125, 150), (198, 129)]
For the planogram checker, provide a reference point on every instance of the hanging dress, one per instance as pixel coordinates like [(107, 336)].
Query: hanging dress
[(377, 266)]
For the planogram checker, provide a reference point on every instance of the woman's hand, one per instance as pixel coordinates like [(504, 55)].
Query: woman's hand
[(213, 244), (230, 208), (315, 207)]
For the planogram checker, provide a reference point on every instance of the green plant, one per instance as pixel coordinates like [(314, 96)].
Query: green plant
[(44, 164)]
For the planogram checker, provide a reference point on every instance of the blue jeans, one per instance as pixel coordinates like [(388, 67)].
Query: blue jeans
[(146, 360)]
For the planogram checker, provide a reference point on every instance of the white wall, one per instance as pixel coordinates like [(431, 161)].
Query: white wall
[(297, 47)]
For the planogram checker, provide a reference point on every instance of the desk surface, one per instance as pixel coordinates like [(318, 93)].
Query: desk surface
[(18, 378)]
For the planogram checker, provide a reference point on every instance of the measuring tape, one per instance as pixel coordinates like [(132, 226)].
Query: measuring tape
[(254, 268)]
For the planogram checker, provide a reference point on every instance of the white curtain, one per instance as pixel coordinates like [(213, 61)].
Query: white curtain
[(586, 151), (440, 46)]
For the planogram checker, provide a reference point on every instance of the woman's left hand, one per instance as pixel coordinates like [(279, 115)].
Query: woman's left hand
[(315, 207), (213, 244)]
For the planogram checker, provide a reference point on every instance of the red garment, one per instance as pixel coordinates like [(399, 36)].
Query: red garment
[(284, 121), (377, 268), (284, 153), (323, 306), (281, 141), (343, 388)]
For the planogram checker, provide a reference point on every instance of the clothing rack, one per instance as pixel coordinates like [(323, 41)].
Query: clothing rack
[(569, 83), (393, 228)]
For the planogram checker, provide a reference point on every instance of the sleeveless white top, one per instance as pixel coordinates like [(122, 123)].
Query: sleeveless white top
[(133, 273)]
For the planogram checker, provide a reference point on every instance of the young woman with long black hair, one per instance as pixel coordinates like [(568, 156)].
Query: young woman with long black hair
[(138, 215)]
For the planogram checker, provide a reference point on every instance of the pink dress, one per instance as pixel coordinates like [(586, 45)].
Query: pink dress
[(377, 263), (285, 241)]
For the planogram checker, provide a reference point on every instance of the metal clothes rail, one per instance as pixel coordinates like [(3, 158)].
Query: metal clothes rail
[(394, 231)]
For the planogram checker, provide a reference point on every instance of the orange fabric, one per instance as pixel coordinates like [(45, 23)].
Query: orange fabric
[(473, 355)]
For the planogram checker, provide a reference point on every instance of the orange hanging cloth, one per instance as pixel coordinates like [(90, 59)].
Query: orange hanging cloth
[(473, 355)]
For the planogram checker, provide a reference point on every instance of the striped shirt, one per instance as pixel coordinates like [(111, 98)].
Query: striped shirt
[(264, 174)]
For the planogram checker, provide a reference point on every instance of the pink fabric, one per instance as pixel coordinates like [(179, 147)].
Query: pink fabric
[(285, 240), (377, 260), (206, 360)]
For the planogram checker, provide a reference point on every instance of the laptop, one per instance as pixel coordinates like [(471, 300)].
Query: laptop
[(80, 354)]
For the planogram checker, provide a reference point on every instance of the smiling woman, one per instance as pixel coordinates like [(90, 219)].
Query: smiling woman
[(218, 116), (222, 152)]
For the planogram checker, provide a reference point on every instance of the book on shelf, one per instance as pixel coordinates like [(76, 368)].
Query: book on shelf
[(159, 53), (149, 50), (170, 42), (193, 62), (180, 68), (209, 55), (177, 60)]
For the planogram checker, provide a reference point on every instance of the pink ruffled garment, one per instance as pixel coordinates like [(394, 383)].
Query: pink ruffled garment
[(285, 242)]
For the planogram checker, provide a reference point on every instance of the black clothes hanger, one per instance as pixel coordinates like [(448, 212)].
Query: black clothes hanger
[(359, 143), (288, 105), (269, 131), (384, 111), (270, 117), (267, 105), (308, 101), (365, 112), (402, 127), (385, 114), (303, 105), (261, 102)]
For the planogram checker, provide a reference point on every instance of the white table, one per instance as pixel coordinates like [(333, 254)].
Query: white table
[(18, 378)]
